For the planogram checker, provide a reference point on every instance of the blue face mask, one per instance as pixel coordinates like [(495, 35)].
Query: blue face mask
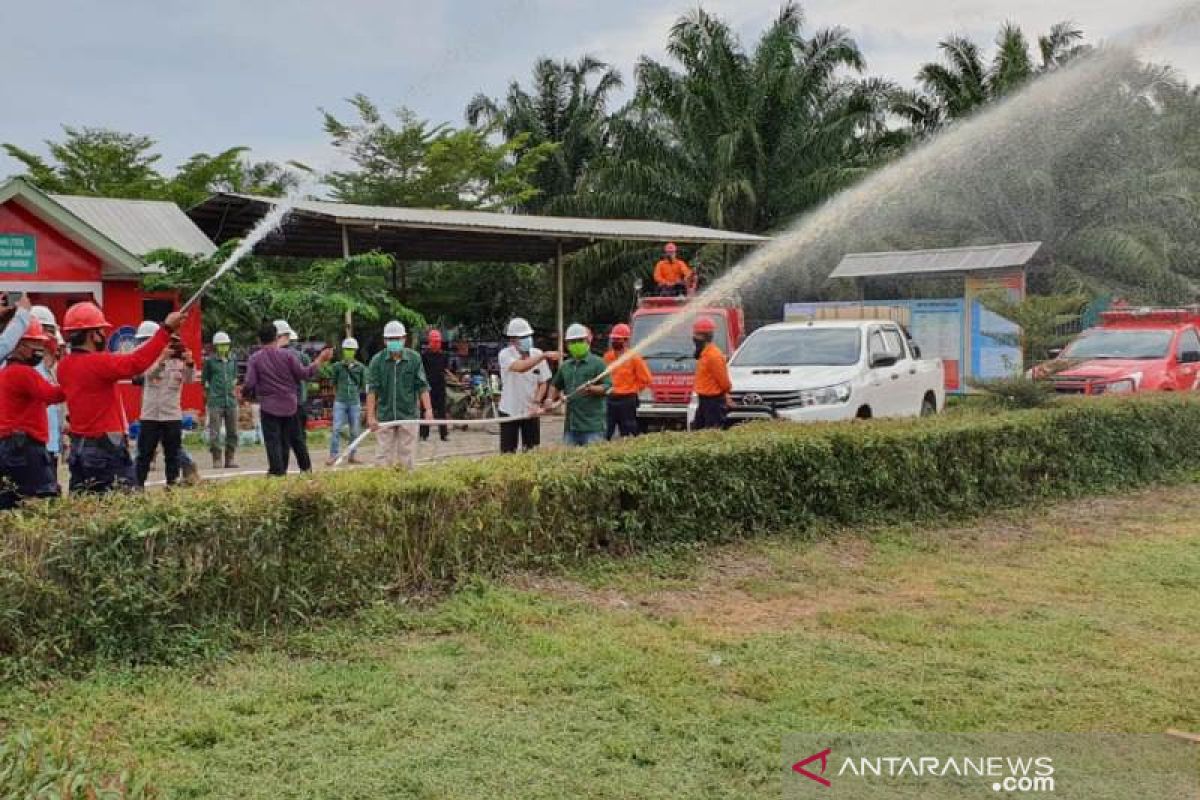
[(525, 344), (395, 345)]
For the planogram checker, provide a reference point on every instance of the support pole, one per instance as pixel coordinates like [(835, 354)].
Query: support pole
[(558, 277), (349, 322)]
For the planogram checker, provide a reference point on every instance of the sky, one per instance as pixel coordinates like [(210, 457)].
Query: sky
[(203, 76)]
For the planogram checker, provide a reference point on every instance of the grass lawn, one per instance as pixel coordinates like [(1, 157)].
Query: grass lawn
[(677, 675)]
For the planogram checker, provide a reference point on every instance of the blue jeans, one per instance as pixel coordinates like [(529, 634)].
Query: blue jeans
[(344, 414), (574, 439)]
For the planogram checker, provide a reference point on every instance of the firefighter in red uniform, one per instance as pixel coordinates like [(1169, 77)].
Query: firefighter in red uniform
[(100, 460), (26, 468)]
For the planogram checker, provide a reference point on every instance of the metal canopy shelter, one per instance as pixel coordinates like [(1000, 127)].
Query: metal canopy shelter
[(947, 261), (324, 229)]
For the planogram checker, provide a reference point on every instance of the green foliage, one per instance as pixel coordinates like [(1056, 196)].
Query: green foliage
[(105, 163), (1017, 392), (1040, 317), (37, 768), (562, 107), (313, 296), (140, 578), (421, 165)]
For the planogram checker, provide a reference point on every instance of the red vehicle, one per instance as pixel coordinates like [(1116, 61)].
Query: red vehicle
[(670, 358), (1132, 350)]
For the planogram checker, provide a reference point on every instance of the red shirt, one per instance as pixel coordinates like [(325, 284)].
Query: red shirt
[(90, 383), (24, 395)]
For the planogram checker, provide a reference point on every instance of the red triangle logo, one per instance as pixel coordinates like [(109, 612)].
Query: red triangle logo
[(823, 757)]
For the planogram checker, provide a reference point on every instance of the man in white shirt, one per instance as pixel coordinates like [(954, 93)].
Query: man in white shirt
[(524, 376)]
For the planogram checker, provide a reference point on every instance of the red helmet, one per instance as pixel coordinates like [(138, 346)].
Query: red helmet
[(84, 317), (704, 325), (619, 331), (35, 331)]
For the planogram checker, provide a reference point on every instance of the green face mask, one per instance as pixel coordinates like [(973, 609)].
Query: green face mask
[(578, 349), (348, 355), (223, 350)]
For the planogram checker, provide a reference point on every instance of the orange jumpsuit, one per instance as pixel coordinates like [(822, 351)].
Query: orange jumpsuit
[(669, 272)]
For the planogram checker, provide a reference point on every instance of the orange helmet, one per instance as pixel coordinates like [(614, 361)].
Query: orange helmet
[(704, 325), (619, 331), (35, 332), (84, 317)]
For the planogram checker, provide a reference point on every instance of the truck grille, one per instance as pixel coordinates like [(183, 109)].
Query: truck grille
[(673, 395), (1073, 385), (775, 400)]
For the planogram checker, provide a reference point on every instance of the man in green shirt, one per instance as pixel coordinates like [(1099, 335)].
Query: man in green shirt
[(582, 379), (349, 382), (219, 377), (395, 383)]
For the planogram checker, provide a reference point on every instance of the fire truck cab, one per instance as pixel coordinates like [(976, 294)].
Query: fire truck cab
[(671, 357), (1131, 350)]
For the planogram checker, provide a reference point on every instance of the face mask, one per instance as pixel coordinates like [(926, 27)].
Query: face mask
[(98, 340), (223, 350), (395, 345), (525, 344), (618, 345), (348, 355), (31, 361), (578, 350), (700, 345)]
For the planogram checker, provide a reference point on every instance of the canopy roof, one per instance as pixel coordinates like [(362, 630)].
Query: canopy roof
[(947, 260), (315, 229)]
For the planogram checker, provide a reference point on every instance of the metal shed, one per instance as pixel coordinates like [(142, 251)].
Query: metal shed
[(326, 229)]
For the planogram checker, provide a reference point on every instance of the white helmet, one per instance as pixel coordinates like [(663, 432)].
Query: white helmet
[(518, 327), (350, 343), (146, 330), (44, 316), (577, 331), (283, 329), (394, 330), (221, 337)]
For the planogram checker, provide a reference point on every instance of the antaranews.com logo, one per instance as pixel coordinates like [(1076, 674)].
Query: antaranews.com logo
[(1007, 774), (935, 766)]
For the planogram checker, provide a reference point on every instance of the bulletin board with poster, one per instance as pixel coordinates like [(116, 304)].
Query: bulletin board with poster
[(935, 325), (995, 341)]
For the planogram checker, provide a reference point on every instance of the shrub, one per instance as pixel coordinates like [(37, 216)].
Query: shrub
[(138, 578), (40, 769), (1017, 392)]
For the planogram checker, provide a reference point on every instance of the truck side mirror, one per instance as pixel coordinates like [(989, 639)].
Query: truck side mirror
[(883, 360), (1054, 352)]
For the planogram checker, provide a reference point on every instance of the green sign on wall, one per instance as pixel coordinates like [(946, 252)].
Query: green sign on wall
[(18, 252)]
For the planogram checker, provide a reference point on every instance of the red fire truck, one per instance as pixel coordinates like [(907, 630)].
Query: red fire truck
[(670, 357), (1131, 350)]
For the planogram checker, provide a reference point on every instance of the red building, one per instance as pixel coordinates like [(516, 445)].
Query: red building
[(62, 249)]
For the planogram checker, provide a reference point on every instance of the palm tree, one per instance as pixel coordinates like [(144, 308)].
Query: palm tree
[(567, 104), (729, 138), (739, 140), (962, 82)]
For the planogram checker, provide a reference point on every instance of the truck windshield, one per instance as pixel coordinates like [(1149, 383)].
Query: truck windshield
[(799, 347), (1115, 343), (678, 343)]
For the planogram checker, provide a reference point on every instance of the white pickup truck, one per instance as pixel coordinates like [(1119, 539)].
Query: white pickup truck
[(833, 370)]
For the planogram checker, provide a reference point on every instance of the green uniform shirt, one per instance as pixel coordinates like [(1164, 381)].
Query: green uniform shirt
[(349, 380), (302, 392), (219, 376), (585, 413), (396, 384)]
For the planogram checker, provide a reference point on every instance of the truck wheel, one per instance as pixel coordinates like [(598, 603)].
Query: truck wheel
[(928, 406)]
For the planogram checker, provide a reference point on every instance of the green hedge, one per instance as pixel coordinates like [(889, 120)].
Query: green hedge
[(135, 578)]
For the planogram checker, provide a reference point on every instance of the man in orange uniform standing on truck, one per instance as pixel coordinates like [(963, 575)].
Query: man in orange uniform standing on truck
[(672, 274), (100, 460), (628, 380), (26, 468), (712, 377)]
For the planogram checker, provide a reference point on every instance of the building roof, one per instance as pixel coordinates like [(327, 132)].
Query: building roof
[(315, 228), (948, 260), (118, 232), (140, 226)]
